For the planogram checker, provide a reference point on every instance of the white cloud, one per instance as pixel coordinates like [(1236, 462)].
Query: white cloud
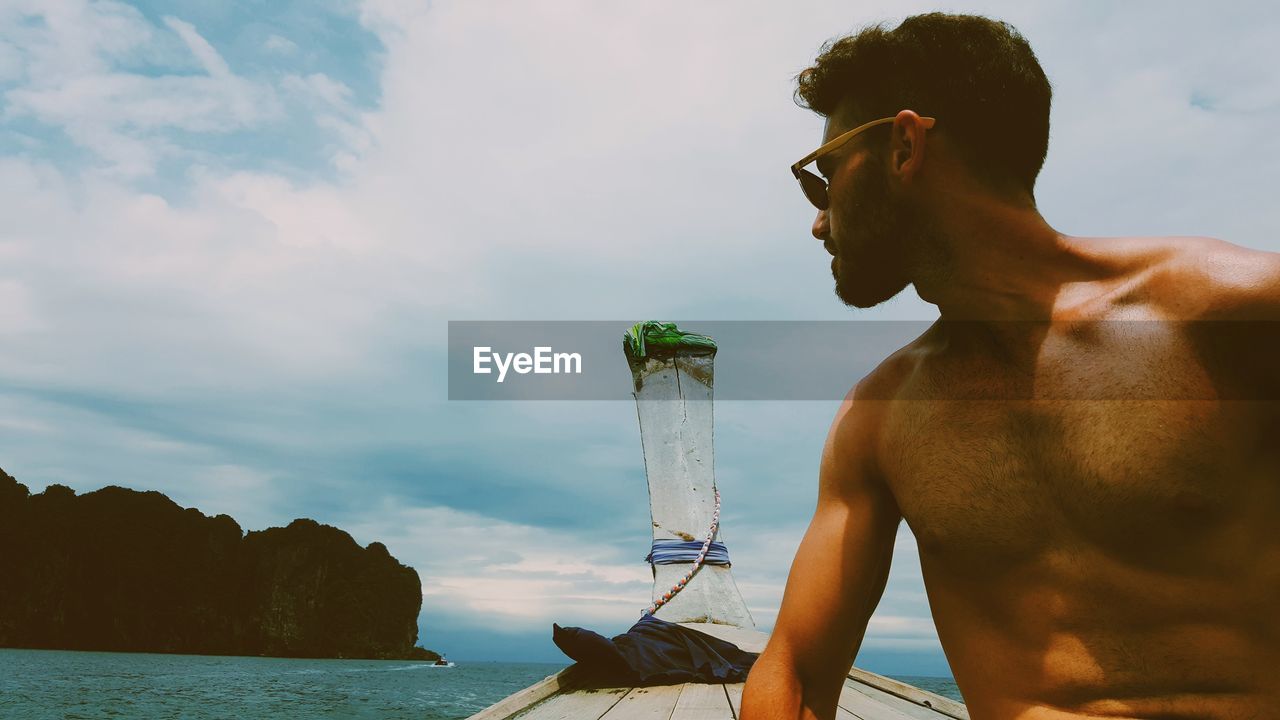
[(321, 87), (331, 103), (10, 62), (209, 58), (71, 84), (250, 495), (505, 576), (16, 311), (279, 44), (66, 39)]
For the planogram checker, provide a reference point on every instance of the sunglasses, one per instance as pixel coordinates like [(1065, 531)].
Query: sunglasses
[(814, 186)]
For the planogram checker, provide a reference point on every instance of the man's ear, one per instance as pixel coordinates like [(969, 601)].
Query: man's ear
[(906, 149)]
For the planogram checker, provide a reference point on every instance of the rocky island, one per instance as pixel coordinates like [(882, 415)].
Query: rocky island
[(129, 571)]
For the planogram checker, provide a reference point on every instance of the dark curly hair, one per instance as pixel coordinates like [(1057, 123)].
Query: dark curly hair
[(976, 75)]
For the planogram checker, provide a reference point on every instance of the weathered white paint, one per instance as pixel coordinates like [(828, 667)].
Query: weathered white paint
[(646, 703), (587, 704), (702, 702), (673, 401)]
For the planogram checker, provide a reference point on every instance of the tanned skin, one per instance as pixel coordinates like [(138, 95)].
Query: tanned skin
[(1086, 446)]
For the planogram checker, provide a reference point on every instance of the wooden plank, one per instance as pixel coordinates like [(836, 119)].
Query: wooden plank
[(864, 707), (536, 692), (905, 707), (584, 704), (646, 703), (734, 691), (699, 701), (943, 705)]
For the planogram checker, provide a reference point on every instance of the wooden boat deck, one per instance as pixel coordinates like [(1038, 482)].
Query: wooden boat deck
[(690, 701), (670, 702), (570, 695)]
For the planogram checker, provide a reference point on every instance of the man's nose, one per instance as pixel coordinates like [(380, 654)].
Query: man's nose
[(821, 228)]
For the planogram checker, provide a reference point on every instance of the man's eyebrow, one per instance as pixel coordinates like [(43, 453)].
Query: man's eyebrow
[(823, 164)]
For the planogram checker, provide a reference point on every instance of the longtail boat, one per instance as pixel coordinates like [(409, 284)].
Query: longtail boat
[(673, 379)]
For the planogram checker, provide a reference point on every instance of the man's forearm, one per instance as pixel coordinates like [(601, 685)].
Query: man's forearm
[(775, 691)]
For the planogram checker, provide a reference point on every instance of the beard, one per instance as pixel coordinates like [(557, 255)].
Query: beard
[(873, 242)]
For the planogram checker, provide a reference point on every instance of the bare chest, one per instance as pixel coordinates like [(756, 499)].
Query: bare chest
[(1144, 466)]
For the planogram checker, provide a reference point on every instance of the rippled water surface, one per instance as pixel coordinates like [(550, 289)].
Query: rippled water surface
[(59, 684)]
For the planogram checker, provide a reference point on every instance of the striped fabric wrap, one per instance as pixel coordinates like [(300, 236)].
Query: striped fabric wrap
[(671, 552)]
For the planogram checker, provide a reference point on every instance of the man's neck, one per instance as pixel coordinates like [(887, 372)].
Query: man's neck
[(997, 262)]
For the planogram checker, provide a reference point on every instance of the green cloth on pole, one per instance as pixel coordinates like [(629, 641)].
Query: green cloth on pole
[(652, 334)]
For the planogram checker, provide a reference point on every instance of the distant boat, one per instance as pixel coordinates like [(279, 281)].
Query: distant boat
[(442, 662), (673, 390)]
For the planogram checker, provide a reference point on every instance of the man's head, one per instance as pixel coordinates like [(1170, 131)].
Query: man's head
[(978, 78)]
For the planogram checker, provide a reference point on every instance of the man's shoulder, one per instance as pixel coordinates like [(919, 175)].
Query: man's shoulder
[(855, 441), (861, 414), (851, 457), (1203, 278), (887, 379)]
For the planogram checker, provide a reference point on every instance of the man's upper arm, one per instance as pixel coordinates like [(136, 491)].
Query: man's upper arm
[(840, 569)]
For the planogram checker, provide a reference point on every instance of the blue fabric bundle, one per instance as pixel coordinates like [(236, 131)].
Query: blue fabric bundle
[(654, 652), (670, 552)]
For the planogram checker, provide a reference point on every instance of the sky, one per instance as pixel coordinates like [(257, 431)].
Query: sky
[(233, 235)]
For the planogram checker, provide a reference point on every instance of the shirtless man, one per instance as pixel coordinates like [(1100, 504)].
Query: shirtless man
[(1086, 444)]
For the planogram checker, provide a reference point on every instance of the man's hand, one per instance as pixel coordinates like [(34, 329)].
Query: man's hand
[(836, 580)]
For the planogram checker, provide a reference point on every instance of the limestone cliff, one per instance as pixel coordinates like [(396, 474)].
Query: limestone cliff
[(118, 569)]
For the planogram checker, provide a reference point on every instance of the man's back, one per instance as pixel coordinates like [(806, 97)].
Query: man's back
[(1095, 497)]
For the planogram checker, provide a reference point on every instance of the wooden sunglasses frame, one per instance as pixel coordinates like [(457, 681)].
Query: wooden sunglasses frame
[(798, 168)]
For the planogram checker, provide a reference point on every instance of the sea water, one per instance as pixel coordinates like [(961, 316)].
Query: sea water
[(39, 684)]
